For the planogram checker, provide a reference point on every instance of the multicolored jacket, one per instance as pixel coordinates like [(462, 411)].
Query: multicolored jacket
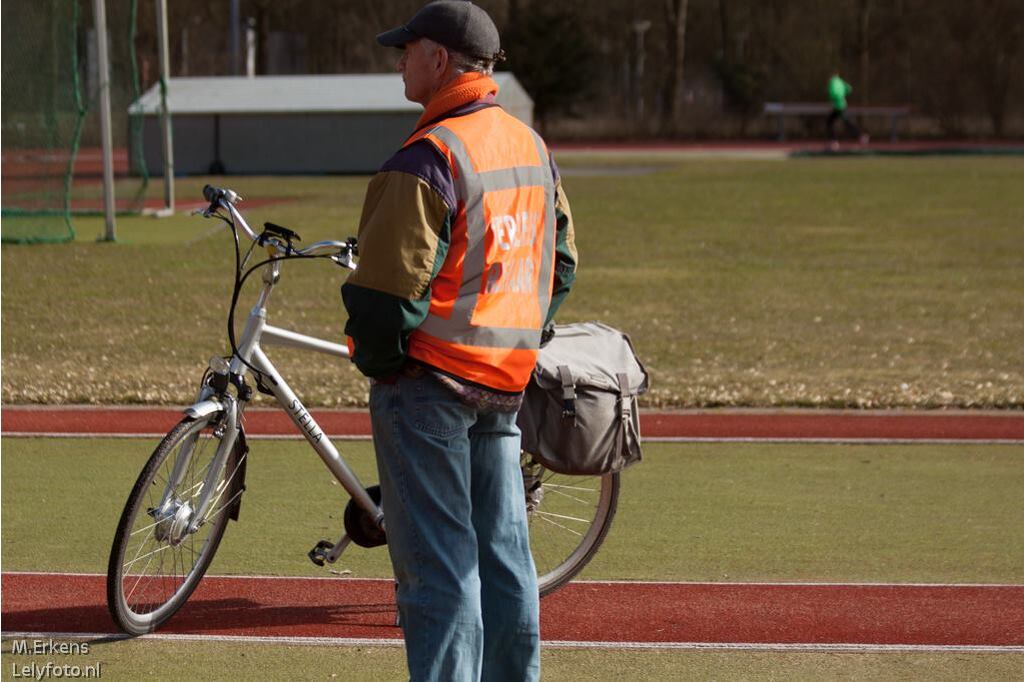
[(404, 236)]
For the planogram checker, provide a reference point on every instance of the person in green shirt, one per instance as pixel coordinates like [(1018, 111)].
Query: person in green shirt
[(838, 89)]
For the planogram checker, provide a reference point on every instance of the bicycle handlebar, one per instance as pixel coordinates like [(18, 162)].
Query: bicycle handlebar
[(215, 194), (340, 252)]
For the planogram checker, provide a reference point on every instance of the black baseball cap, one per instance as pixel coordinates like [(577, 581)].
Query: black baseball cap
[(456, 24)]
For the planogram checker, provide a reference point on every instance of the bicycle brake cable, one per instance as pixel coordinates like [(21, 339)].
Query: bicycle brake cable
[(240, 281), (248, 253), (235, 293), (229, 221)]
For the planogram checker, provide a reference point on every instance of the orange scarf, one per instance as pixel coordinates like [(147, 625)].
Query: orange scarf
[(469, 87)]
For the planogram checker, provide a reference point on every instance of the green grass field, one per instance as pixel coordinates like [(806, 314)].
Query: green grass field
[(737, 512), (715, 512), (874, 282), (846, 282)]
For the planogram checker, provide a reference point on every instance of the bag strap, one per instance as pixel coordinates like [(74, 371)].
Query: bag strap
[(568, 393), (626, 410), (625, 413)]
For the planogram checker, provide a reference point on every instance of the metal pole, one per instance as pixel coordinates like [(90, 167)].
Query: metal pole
[(165, 115), (100, 17), (250, 48), (235, 38)]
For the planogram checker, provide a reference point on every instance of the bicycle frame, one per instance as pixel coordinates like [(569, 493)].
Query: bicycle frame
[(250, 353), (166, 510)]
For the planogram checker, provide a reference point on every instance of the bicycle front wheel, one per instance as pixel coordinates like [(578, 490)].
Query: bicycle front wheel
[(569, 518), (159, 555)]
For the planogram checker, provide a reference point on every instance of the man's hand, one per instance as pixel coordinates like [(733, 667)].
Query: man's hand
[(547, 334)]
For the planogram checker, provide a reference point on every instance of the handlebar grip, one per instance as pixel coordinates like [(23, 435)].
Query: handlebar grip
[(211, 193)]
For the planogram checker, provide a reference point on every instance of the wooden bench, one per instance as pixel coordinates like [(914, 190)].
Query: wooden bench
[(783, 109)]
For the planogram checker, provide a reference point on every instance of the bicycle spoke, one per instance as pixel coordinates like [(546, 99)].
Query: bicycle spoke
[(560, 516), (568, 519), (555, 523), (213, 515), (163, 577), (152, 525), (552, 475), (565, 495), (142, 544), (154, 552), (141, 576), (569, 487)]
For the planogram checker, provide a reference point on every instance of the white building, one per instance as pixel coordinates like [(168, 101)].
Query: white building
[(290, 124)]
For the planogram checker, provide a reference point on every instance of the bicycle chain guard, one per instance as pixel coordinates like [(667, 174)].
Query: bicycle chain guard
[(360, 526)]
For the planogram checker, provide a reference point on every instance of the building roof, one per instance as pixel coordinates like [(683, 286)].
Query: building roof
[(280, 94)]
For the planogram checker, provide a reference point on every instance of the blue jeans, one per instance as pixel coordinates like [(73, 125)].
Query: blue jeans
[(456, 523)]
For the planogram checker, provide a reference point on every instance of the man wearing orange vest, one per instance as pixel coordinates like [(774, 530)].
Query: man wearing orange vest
[(466, 252)]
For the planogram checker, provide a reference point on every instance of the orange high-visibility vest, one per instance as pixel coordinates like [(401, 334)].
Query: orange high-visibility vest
[(490, 298)]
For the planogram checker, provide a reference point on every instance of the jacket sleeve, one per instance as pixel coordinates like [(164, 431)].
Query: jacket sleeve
[(403, 236), (566, 256)]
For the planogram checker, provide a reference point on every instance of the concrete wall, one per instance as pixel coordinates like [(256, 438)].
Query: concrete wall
[(277, 144)]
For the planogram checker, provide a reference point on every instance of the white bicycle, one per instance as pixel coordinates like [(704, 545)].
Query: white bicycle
[(192, 485)]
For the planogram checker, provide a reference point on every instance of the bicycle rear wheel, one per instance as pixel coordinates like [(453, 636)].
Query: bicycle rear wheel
[(155, 562), (569, 518)]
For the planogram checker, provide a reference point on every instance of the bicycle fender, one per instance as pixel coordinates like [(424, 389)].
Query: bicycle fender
[(241, 454), (204, 408)]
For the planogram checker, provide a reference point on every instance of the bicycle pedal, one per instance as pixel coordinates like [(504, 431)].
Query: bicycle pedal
[(318, 555)]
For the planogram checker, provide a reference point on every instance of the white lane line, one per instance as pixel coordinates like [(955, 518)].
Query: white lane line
[(669, 583), (837, 441), (249, 436), (790, 646), (701, 583), (652, 439), (551, 644)]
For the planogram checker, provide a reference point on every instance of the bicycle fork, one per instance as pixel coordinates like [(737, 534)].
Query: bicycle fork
[(177, 518)]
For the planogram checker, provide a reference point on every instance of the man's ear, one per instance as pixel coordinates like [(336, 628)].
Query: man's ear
[(440, 60)]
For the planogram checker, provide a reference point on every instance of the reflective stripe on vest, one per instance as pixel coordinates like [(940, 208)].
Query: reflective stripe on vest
[(470, 187), (506, 280)]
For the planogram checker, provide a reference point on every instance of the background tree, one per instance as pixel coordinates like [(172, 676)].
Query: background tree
[(675, 21), (864, 46), (551, 54), (994, 56), (709, 64)]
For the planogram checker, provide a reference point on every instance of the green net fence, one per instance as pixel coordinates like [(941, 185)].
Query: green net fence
[(52, 161)]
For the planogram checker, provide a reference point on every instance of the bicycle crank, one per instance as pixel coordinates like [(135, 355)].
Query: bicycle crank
[(328, 552), (360, 526)]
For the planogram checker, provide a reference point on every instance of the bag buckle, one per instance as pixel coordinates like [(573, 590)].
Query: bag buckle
[(568, 393)]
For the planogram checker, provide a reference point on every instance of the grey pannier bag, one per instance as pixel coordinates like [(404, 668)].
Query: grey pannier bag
[(579, 413)]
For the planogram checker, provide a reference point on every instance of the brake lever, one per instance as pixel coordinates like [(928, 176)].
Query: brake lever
[(344, 260), (207, 212), (351, 251)]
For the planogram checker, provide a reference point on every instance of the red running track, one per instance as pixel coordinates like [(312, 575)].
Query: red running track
[(654, 613), (711, 425)]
